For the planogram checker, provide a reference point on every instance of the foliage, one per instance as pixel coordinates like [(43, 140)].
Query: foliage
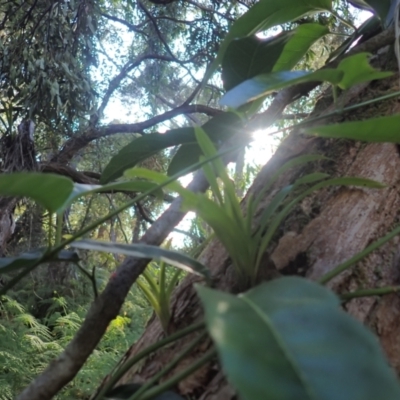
[(28, 344), (165, 58)]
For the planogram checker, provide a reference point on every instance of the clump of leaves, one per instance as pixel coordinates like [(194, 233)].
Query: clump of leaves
[(245, 244), (157, 285)]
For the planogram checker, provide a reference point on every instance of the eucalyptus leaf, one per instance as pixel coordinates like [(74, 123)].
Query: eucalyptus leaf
[(289, 339), (49, 190), (381, 129), (265, 84), (140, 250)]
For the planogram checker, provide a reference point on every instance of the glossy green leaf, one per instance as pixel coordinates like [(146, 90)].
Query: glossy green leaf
[(140, 250), (265, 84), (251, 56), (142, 148), (289, 339), (218, 129), (356, 69), (49, 190), (264, 15), (381, 129), (384, 9)]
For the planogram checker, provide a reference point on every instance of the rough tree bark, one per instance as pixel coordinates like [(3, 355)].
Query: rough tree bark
[(325, 230)]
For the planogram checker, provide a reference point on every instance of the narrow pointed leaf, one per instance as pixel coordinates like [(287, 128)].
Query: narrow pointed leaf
[(140, 250), (81, 189), (381, 129), (49, 190), (289, 339), (265, 84), (26, 260)]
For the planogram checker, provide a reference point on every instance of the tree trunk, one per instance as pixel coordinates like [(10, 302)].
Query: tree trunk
[(325, 230)]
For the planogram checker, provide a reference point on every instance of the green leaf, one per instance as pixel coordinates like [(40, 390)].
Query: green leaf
[(142, 148), (384, 9), (26, 260), (381, 129), (356, 69), (49, 190), (251, 56), (218, 129), (303, 38), (262, 85), (289, 339), (264, 15), (140, 250), (81, 189)]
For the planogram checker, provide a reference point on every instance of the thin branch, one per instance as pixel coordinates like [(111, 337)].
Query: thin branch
[(75, 144), (131, 27), (115, 82)]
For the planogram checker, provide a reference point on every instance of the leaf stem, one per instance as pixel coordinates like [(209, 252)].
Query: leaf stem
[(359, 256), (370, 292)]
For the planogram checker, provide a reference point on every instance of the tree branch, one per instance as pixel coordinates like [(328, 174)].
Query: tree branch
[(75, 144)]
